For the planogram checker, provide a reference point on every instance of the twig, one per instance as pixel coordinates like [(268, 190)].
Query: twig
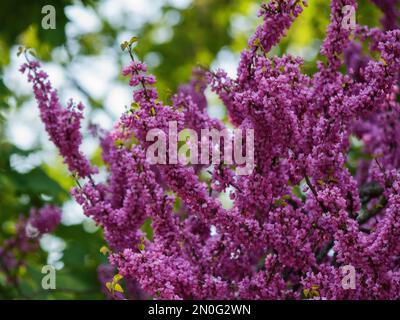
[(314, 192)]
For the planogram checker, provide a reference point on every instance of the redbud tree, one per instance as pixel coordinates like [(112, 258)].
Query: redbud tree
[(306, 218)]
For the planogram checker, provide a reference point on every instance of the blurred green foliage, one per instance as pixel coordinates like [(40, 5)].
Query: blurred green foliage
[(197, 34)]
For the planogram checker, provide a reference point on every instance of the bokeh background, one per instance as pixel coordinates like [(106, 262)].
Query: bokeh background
[(83, 58)]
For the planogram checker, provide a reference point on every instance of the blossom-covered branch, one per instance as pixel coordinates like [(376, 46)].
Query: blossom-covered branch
[(300, 216)]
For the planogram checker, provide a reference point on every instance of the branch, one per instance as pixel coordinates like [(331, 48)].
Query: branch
[(309, 184), (366, 215)]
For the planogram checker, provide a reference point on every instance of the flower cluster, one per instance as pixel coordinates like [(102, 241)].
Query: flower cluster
[(26, 239), (62, 124), (300, 216)]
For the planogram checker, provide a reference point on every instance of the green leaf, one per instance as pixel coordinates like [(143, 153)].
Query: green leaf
[(135, 106), (124, 45), (118, 288), (109, 286), (141, 244), (118, 277), (32, 53), (378, 206), (21, 50), (256, 42), (104, 250), (133, 40), (280, 203)]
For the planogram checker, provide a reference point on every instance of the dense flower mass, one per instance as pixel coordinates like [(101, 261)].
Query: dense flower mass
[(305, 213), (62, 124), (44, 220)]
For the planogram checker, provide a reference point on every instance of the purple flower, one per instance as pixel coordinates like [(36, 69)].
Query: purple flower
[(299, 217)]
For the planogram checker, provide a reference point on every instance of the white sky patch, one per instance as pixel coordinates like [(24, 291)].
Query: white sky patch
[(172, 17), (89, 225), (24, 199), (308, 53), (45, 197), (54, 246), (101, 118), (119, 96), (213, 231), (122, 36), (130, 13), (226, 60), (356, 142), (162, 34), (89, 146), (48, 147), (22, 124), (153, 59), (24, 164), (179, 4), (95, 74), (82, 20), (215, 107), (240, 24), (21, 134), (59, 55), (56, 75), (102, 176), (72, 213), (13, 78), (226, 201)]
